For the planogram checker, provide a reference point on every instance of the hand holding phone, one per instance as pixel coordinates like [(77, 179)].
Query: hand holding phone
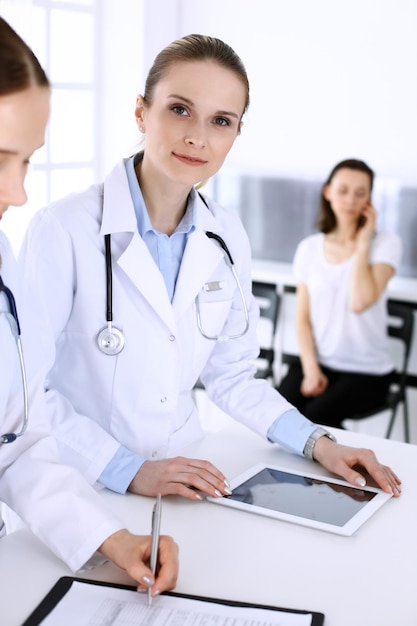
[(367, 222)]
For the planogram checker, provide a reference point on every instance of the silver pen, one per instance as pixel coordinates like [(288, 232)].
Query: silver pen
[(155, 531)]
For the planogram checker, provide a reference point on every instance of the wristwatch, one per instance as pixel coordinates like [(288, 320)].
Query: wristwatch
[(311, 441)]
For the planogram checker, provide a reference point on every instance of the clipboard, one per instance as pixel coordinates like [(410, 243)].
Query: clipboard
[(63, 585)]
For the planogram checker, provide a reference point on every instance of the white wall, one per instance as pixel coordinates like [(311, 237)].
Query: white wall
[(122, 77), (329, 79)]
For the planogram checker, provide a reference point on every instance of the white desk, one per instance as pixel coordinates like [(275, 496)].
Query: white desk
[(399, 287), (366, 579)]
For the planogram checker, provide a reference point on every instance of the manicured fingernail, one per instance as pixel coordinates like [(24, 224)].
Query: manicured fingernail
[(217, 493), (148, 580), (156, 592), (361, 482), (226, 482), (198, 497), (228, 491)]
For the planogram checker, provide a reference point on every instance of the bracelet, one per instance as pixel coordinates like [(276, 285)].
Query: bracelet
[(312, 440)]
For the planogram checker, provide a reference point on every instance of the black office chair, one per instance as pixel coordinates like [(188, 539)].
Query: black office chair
[(268, 300), (400, 327)]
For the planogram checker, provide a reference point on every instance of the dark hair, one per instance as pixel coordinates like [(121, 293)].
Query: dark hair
[(19, 67), (326, 221), (195, 48)]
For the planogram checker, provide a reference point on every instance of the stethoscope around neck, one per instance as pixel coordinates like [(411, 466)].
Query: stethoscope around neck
[(15, 326), (111, 339)]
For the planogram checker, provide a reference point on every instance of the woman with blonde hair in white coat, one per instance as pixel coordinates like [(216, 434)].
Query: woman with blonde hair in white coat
[(54, 500), (134, 289)]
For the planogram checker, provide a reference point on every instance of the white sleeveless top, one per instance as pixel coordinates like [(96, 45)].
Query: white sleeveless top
[(347, 341)]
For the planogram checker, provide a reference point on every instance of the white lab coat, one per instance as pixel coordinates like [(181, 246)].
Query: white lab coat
[(98, 401), (54, 500)]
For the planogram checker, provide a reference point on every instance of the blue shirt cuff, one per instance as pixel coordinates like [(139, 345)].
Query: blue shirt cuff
[(120, 471), (291, 430)]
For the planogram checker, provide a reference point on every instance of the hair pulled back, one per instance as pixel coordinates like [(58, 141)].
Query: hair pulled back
[(19, 67), (195, 48)]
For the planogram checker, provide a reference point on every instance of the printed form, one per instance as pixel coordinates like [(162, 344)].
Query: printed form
[(96, 605)]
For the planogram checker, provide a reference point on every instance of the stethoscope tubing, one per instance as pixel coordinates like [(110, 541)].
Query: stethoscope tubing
[(109, 281), (111, 340), (229, 260), (10, 437)]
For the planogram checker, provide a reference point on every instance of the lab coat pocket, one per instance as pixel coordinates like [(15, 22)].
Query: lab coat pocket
[(212, 315)]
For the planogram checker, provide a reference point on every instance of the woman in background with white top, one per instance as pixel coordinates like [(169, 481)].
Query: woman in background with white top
[(341, 316)]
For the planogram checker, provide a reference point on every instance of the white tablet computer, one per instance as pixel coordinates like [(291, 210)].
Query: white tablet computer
[(303, 498)]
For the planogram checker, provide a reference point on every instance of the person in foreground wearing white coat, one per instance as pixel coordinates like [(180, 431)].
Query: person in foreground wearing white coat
[(57, 503), (122, 416)]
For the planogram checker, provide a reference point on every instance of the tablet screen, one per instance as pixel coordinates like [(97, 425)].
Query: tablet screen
[(299, 495)]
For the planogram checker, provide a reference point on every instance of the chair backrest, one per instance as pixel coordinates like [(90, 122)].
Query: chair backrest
[(401, 327), (268, 300)]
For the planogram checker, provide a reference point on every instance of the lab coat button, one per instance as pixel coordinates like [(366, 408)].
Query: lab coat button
[(172, 337), (154, 454), (163, 399)]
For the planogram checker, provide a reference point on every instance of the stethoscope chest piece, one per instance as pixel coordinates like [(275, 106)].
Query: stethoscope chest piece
[(111, 340)]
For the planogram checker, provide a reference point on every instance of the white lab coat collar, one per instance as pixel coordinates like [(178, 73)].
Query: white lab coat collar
[(118, 210), (201, 255), (199, 248)]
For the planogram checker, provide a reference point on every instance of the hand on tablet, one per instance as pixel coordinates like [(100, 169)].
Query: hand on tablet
[(179, 476), (132, 553), (345, 461)]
